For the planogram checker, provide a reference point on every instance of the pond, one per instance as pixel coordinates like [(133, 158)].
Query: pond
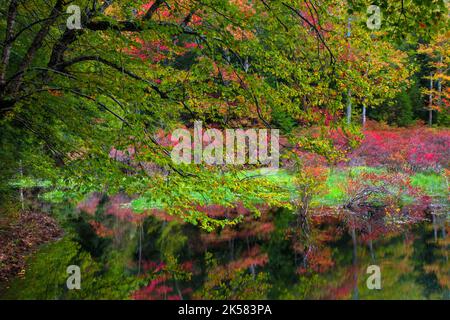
[(266, 257)]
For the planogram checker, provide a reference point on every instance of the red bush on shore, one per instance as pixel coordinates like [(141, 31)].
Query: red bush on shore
[(416, 148)]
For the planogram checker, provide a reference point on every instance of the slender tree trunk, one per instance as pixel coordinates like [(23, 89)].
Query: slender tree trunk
[(435, 227), (443, 231), (439, 84), (252, 266), (355, 266), (177, 287), (364, 109), (140, 246), (364, 115), (22, 198), (349, 106), (372, 253), (231, 246), (11, 19), (430, 103)]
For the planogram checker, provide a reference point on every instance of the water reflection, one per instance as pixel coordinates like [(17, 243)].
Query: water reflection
[(273, 256)]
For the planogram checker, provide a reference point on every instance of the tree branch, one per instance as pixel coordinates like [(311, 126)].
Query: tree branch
[(148, 15), (319, 34), (63, 65)]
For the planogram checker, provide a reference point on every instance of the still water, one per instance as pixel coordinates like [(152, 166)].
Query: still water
[(272, 257), (266, 257)]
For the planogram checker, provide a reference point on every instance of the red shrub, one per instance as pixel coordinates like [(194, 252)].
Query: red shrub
[(418, 148)]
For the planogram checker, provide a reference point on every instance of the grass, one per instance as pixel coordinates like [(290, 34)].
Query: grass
[(335, 186), (433, 184)]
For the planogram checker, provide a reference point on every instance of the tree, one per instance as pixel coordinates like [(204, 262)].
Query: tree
[(438, 51), (69, 96)]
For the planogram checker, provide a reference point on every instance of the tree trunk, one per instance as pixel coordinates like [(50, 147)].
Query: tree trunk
[(435, 227), (22, 199), (349, 106), (141, 231), (355, 295), (439, 85), (349, 92), (364, 115), (372, 253), (430, 103), (11, 20)]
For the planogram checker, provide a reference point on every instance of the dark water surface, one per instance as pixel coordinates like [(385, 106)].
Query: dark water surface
[(270, 257)]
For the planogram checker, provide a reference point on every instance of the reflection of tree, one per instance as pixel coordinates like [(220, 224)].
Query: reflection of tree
[(267, 257), (395, 259), (368, 241), (437, 264), (233, 281), (162, 280), (339, 250)]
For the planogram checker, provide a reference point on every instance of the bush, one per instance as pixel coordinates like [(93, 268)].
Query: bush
[(418, 149)]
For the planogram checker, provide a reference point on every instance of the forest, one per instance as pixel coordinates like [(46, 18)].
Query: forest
[(224, 149)]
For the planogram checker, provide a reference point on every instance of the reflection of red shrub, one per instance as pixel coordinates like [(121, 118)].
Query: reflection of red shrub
[(156, 290), (90, 204), (251, 227), (318, 260), (118, 206), (253, 257), (160, 288), (101, 230)]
